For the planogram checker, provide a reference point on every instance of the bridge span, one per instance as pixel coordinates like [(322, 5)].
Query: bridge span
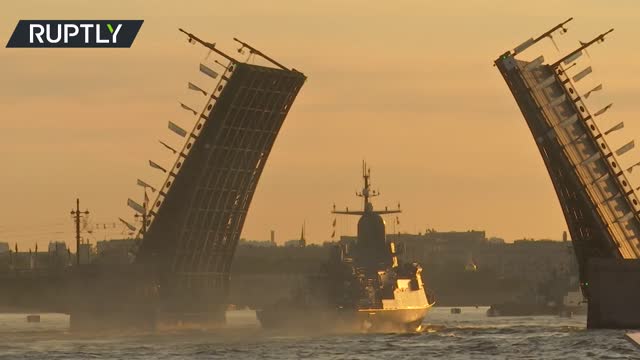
[(601, 208), (181, 262)]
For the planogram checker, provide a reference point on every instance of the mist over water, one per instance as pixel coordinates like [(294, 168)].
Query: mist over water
[(470, 335)]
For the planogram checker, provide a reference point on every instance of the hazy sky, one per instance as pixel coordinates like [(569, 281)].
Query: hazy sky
[(407, 85)]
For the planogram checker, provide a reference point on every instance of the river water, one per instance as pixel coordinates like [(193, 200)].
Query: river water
[(469, 335)]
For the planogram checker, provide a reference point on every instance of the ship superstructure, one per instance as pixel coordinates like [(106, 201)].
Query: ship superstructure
[(363, 286), (383, 292)]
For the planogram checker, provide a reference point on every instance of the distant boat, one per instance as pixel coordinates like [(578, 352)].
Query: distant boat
[(572, 304)]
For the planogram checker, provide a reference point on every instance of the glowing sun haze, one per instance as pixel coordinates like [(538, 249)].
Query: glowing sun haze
[(407, 85)]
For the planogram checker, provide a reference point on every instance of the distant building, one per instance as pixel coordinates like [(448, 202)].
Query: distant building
[(302, 242), (496, 241), (295, 243), (4, 247), (257, 243), (86, 253), (117, 251), (114, 245), (58, 247), (450, 251), (59, 254)]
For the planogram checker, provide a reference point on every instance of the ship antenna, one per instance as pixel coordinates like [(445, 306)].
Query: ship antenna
[(366, 191)]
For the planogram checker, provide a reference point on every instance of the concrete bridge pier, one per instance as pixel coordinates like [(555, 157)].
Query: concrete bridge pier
[(614, 293)]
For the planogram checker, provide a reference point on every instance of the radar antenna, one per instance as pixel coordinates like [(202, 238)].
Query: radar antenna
[(366, 193)]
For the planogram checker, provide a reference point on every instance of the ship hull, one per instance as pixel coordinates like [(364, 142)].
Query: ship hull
[(323, 320), (381, 320)]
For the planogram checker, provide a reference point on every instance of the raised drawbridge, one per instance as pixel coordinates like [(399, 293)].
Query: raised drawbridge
[(177, 273), (599, 204), (192, 228)]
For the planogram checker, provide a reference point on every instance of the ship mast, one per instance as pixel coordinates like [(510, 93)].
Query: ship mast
[(366, 194)]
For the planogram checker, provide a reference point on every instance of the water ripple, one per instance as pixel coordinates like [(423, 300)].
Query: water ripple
[(470, 335)]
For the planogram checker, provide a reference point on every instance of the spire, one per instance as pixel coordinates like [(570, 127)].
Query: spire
[(302, 242)]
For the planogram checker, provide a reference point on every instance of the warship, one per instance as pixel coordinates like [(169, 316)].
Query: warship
[(361, 287)]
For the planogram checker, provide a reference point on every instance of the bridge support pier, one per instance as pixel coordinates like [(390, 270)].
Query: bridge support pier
[(193, 320), (110, 320), (614, 293)]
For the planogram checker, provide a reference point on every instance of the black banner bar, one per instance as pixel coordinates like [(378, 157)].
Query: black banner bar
[(74, 33)]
